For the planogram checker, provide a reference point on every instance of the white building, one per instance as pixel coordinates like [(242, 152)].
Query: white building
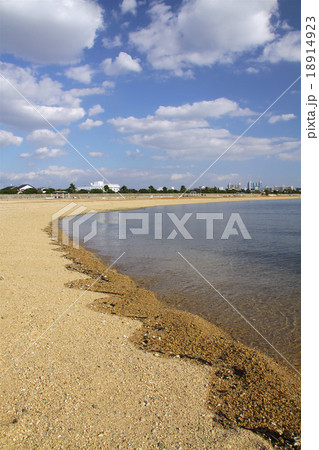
[(100, 185), (114, 187), (23, 187)]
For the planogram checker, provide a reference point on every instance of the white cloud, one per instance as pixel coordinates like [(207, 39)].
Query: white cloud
[(97, 155), (292, 156), (108, 84), (46, 95), (281, 117), (151, 124), (184, 117), (45, 137), (74, 96), (201, 32), (55, 174), (96, 109), (58, 115), (51, 173), (286, 48), (252, 70), (129, 6), (7, 138), (180, 176), (224, 177), (136, 154), (89, 123), (42, 90), (44, 152), (194, 139), (122, 64), (84, 92), (160, 157), (212, 108), (285, 25), (131, 174), (112, 43), (47, 31), (83, 74), (61, 176)]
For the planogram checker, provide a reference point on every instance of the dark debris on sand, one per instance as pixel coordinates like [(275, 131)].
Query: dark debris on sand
[(247, 389)]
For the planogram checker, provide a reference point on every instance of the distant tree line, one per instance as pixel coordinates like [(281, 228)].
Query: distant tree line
[(150, 190), (125, 190)]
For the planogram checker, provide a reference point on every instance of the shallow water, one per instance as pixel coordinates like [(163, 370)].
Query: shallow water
[(246, 286)]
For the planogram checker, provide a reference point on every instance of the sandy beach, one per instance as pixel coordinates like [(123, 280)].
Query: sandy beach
[(74, 376)]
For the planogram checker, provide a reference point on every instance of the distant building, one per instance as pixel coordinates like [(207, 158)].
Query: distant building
[(23, 187), (9, 188), (236, 187), (279, 188), (100, 185), (254, 185), (20, 188)]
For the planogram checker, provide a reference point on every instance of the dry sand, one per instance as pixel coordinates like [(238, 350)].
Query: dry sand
[(76, 380)]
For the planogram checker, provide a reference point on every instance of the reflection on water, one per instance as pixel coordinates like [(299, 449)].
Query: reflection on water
[(260, 277)]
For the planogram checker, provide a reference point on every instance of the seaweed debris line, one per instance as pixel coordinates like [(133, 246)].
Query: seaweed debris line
[(247, 388)]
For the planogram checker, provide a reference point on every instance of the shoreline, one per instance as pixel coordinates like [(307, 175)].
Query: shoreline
[(239, 373), (147, 201), (24, 297), (164, 296), (145, 197)]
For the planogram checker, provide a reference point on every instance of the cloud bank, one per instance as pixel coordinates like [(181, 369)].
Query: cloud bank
[(49, 31), (202, 33)]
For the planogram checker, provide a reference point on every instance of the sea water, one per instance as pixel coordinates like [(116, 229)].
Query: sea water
[(248, 287)]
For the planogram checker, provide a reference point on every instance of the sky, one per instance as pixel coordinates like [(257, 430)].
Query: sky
[(138, 92)]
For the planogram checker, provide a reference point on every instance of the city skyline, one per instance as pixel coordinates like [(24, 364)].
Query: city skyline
[(100, 185)]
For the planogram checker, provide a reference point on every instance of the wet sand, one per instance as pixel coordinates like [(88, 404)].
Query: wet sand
[(78, 369)]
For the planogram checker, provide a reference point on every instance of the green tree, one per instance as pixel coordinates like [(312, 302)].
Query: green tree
[(183, 188), (152, 189), (9, 191), (108, 190), (124, 189), (71, 189), (30, 191), (165, 190)]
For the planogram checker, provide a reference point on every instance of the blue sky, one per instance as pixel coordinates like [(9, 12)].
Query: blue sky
[(149, 92)]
